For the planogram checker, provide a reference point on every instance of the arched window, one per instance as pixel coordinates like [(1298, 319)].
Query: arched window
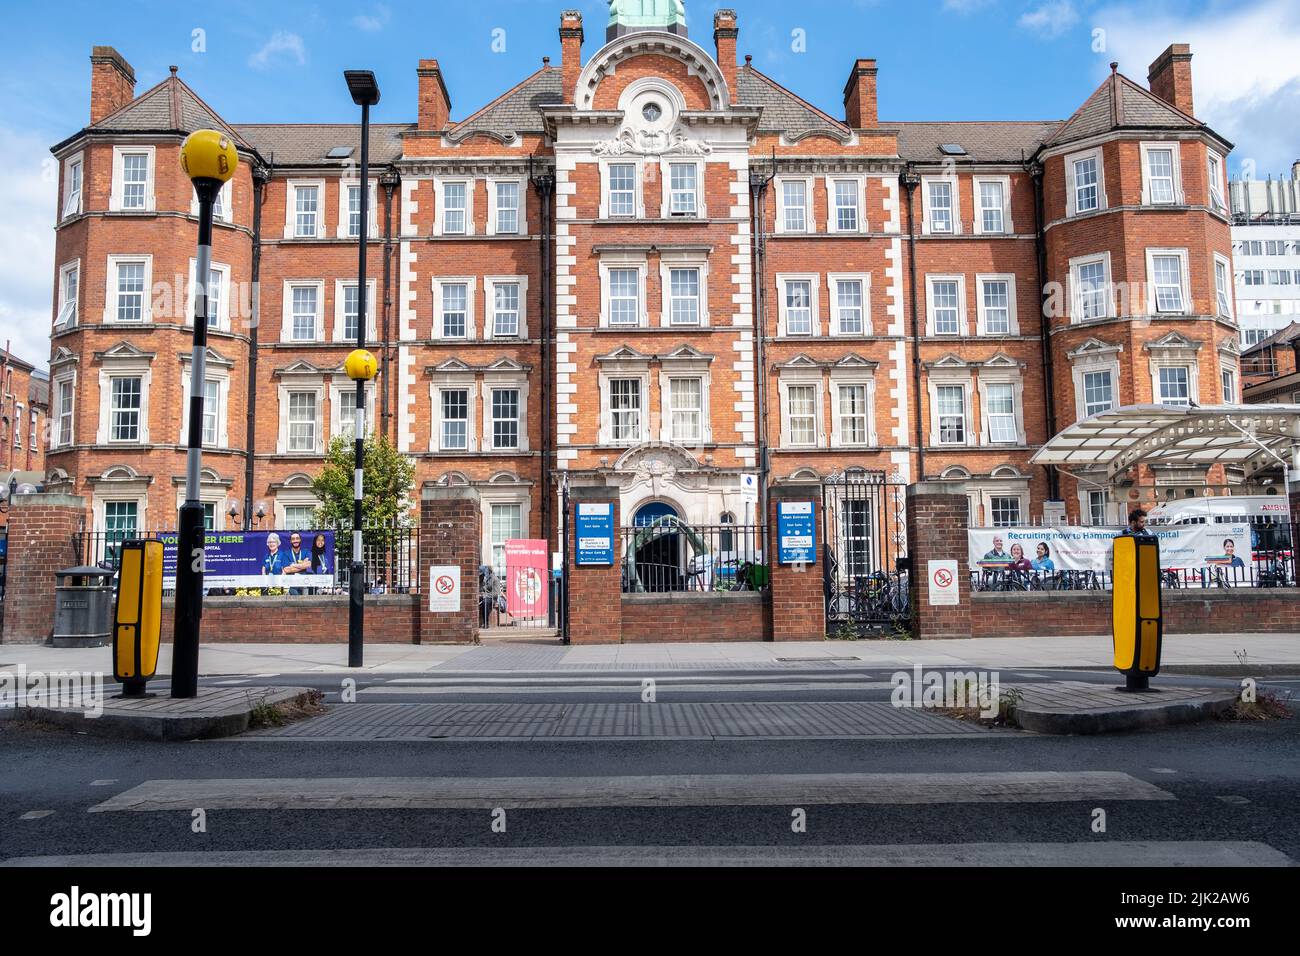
[(726, 537)]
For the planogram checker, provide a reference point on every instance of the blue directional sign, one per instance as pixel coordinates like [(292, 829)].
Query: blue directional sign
[(796, 530), (595, 532)]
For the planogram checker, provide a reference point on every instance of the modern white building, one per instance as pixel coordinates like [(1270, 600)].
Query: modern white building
[(1266, 253)]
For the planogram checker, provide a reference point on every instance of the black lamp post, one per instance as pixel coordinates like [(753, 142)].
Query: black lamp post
[(209, 158), (365, 93)]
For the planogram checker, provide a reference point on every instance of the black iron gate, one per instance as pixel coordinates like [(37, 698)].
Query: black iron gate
[(866, 535)]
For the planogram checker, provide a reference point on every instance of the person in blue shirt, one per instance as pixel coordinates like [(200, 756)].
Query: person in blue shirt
[(1229, 552), (276, 560), (298, 560), (1043, 559)]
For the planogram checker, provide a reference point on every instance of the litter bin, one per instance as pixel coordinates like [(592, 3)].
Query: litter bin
[(83, 607)]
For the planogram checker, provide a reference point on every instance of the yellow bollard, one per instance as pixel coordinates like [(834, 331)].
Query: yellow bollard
[(1137, 625), (137, 620)]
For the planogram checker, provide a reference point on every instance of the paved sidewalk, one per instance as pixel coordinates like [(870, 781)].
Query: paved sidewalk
[(1276, 653)]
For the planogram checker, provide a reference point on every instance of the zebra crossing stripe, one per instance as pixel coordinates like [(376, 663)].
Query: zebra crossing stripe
[(1108, 854), (672, 790)]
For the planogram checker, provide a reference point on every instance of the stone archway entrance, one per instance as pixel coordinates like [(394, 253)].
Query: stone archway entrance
[(656, 547)]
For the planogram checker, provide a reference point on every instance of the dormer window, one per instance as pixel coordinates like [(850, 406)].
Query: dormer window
[(652, 112)]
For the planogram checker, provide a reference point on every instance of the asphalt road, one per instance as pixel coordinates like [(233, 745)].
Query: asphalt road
[(1191, 794)]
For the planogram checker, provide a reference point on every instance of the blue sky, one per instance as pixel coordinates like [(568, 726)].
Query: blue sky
[(939, 59)]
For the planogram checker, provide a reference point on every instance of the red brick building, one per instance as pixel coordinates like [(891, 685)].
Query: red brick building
[(24, 406), (651, 267)]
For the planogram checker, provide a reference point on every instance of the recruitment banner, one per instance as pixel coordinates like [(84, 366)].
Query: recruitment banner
[(1073, 548), (259, 559), (526, 574)]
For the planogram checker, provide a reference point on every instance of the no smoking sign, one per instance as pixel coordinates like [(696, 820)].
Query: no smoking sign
[(943, 583), (444, 588)]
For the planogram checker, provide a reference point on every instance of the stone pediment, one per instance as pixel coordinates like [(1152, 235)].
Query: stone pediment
[(1174, 340)]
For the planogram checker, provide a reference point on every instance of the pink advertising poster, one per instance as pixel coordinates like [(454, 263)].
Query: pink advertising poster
[(526, 571)]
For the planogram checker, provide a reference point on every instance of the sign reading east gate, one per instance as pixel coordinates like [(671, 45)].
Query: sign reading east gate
[(595, 527), (796, 532)]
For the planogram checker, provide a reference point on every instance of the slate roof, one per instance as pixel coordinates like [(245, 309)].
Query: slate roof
[(171, 106), (38, 389), (782, 110), (1119, 102), (984, 142), (517, 110), (1283, 336), (306, 144)]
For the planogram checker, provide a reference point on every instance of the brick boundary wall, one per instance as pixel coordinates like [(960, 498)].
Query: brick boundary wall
[(595, 593), (451, 533), (1226, 611), (307, 619), (41, 527), (696, 616), (936, 530), (798, 605)]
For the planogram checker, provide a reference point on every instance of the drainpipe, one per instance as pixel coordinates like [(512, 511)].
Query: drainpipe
[(758, 184), (544, 183), (261, 176), (389, 181), (910, 179), (1035, 170)]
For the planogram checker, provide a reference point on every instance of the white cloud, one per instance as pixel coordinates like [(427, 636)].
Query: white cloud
[(1051, 19), (965, 6), (1245, 72), (281, 46), (28, 193), (373, 23)]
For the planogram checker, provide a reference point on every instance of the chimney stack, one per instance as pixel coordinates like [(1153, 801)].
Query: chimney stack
[(112, 82), (570, 52), (725, 33), (860, 110), (434, 108), (1170, 77)]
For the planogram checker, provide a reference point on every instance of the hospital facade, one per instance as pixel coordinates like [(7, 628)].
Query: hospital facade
[(647, 265)]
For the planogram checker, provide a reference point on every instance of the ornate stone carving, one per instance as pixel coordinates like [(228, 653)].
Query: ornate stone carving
[(651, 143)]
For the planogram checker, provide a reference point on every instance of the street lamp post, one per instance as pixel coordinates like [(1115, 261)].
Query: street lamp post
[(209, 158), (360, 367)]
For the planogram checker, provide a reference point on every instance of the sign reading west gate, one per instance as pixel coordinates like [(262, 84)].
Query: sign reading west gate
[(595, 528), (796, 532)]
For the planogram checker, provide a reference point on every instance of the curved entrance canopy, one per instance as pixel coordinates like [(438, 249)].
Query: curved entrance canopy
[(1252, 437)]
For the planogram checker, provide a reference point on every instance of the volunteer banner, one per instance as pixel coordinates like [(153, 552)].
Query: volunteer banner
[(259, 559), (1070, 548), (526, 573)]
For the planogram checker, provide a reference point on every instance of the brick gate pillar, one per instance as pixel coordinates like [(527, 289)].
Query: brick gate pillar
[(41, 529), (936, 531), (595, 591), (798, 592), (451, 533)]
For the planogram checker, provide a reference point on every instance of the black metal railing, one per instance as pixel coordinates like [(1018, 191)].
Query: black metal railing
[(494, 605), (670, 555), (1264, 570), (390, 552)]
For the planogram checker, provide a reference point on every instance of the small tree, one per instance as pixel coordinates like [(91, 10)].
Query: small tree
[(388, 474)]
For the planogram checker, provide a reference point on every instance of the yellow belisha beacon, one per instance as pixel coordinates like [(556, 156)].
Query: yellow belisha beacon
[(1137, 623)]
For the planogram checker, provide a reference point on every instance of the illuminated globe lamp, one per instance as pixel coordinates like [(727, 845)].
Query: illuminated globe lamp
[(361, 365), (209, 159)]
